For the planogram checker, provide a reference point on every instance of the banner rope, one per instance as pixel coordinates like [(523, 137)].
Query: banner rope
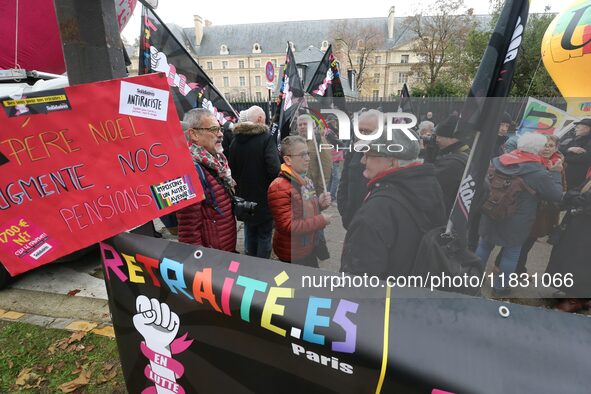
[(16, 38), (385, 346)]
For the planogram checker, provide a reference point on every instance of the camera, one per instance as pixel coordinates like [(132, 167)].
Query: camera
[(429, 139), (241, 208)]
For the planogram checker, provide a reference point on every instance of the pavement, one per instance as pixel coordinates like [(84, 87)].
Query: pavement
[(73, 295)]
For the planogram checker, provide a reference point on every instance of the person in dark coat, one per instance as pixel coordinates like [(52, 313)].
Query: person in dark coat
[(210, 222), (353, 185), (572, 253), (450, 161), (577, 152), (227, 130), (506, 137), (383, 237), (511, 232), (254, 161)]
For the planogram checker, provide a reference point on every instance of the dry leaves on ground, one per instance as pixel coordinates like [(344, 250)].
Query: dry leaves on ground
[(82, 380), (27, 379)]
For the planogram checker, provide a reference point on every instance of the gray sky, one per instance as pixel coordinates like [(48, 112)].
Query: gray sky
[(226, 12)]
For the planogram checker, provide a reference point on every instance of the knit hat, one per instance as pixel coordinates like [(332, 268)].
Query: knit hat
[(447, 127), (506, 118)]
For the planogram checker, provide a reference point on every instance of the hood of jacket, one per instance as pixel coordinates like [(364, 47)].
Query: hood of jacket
[(419, 185), (517, 169), (249, 128)]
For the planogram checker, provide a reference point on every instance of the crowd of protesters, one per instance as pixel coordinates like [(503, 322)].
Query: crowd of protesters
[(386, 199)]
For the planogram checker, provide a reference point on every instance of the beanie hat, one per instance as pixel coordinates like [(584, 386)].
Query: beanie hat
[(447, 127)]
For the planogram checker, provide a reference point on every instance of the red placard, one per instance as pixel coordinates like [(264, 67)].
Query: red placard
[(81, 164)]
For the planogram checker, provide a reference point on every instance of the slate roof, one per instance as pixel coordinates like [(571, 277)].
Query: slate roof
[(273, 36), (310, 58)]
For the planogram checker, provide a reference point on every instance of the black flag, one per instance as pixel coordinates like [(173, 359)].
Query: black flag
[(481, 114), (291, 97), (405, 104), (326, 81), (160, 51)]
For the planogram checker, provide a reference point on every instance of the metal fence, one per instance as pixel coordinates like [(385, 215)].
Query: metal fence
[(441, 107)]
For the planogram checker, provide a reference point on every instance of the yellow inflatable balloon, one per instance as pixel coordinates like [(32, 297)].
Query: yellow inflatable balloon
[(566, 50)]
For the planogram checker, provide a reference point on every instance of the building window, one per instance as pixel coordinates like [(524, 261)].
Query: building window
[(226, 82), (274, 61), (359, 59), (256, 48), (225, 64), (378, 60), (240, 63), (224, 49), (259, 96), (376, 94), (242, 81), (257, 64), (210, 65), (257, 80), (404, 59), (243, 95), (402, 77), (376, 78)]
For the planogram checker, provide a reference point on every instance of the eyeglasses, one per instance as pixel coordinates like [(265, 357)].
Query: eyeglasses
[(303, 155), (213, 129)]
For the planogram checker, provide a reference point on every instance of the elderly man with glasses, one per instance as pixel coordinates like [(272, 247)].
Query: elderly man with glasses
[(209, 223), (404, 199)]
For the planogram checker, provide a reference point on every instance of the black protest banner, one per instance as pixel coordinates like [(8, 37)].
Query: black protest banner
[(405, 103), (191, 319), (291, 97), (480, 117), (191, 87)]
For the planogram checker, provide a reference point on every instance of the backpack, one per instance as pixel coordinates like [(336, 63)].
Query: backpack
[(504, 190), (441, 254)]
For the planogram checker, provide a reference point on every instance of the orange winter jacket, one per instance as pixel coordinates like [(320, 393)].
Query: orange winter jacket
[(296, 214)]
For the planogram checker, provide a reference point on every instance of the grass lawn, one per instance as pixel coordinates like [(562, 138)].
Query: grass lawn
[(38, 360)]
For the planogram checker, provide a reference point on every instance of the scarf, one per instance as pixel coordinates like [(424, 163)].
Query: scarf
[(518, 156), (551, 161), (307, 191), (217, 163)]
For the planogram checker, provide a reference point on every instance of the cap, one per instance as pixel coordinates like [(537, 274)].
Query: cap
[(586, 122), (400, 147)]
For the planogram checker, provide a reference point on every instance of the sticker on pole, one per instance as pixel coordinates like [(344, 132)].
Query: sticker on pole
[(143, 101)]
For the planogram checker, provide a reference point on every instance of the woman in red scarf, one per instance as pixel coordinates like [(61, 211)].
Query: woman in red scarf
[(511, 232), (548, 214)]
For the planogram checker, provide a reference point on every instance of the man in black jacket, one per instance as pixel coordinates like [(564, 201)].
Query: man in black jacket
[(254, 162), (384, 236), (353, 186), (450, 162), (577, 153)]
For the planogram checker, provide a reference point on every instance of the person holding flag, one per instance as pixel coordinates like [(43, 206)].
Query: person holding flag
[(296, 208)]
